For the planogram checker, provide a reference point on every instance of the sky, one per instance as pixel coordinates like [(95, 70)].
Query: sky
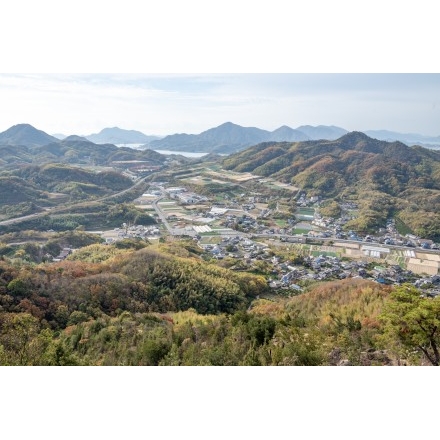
[(184, 67), (162, 104)]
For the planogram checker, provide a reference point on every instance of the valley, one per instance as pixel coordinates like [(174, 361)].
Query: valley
[(185, 248)]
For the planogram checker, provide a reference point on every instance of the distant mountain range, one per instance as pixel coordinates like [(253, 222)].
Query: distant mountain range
[(227, 138), (23, 144), (230, 138), (407, 138), (117, 135), (329, 132)]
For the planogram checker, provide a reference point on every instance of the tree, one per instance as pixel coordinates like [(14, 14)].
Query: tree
[(413, 321), (17, 338), (18, 288)]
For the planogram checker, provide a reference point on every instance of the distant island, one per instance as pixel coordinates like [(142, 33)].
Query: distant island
[(230, 138)]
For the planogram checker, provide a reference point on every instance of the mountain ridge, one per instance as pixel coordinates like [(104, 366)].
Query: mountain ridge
[(406, 138), (116, 135), (25, 134), (230, 138), (227, 138), (384, 178)]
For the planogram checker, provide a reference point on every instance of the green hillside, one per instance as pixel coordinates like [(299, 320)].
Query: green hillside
[(67, 179), (73, 151), (385, 178)]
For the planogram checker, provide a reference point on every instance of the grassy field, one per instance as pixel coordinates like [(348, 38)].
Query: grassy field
[(305, 211), (273, 184), (300, 231), (327, 254), (172, 208), (401, 227), (210, 240), (166, 201), (204, 180)]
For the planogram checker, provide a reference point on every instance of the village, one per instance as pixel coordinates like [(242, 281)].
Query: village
[(254, 232)]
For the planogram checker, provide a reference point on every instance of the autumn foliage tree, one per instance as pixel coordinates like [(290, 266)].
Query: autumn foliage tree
[(412, 322)]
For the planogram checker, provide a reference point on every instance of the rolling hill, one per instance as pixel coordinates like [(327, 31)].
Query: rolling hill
[(73, 150), (385, 178)]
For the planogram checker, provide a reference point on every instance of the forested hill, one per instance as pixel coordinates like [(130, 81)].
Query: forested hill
[(136, 303), (25, 134), (398, 178), (354, 149), (229, 138), (73, 150)]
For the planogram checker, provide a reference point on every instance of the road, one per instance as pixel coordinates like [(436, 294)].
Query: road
[(61, 209), (20, 219), (137, 183), (182, 231), (170, 229), (233, 233)]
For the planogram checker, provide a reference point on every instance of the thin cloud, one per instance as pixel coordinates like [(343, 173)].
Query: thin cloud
[(170, 103)]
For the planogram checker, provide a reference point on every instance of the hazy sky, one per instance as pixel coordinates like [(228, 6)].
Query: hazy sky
[(219, 36), (191, 103)]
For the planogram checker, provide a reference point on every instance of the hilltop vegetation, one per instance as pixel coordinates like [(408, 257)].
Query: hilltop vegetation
[(32, 188), (166, 306), (141, 281), (385, 178), (73, 150), (14, 190), (94, 216), (74, 181)]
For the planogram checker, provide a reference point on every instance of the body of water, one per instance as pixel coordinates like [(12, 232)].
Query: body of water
[(164, 152), (182, 153)]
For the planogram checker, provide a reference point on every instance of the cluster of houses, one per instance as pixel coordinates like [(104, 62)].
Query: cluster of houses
[(429, 285), (305, 201), (292, 275), (245, 217), (388, 235), (325, 268), (185, 197), (130, 231), (64, 253)]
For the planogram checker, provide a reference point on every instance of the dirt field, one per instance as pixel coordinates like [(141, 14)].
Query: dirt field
[(237, 177)]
